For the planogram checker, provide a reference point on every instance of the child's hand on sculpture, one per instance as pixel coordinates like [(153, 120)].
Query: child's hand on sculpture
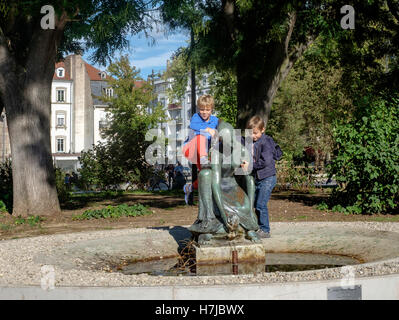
[(212, 132), (245, 165)]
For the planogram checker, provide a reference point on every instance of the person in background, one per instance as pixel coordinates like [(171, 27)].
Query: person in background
[(170, 170)]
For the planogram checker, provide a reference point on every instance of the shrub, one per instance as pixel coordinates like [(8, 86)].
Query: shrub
[(62, 190), (101, 167), (31, 220), (291, 176), (114, 212), (366, 165)]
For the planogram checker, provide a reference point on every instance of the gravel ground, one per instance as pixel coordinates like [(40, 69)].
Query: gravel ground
[(20, 265)]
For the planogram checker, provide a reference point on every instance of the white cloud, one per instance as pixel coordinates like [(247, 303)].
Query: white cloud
[(154, 61)]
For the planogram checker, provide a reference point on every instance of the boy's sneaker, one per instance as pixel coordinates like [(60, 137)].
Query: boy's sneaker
[(188, 188), (263, 235)]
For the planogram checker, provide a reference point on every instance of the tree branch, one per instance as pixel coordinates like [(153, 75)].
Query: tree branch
[(292, 20)]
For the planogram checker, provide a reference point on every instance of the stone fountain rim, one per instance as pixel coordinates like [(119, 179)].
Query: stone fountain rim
[(21, 268)]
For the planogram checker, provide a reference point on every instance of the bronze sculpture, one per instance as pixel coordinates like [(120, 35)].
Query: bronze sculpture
[(226, 199)]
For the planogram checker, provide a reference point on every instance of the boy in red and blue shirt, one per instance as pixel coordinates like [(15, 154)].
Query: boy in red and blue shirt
[(203, 127)]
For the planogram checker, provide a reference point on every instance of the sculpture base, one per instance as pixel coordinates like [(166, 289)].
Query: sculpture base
[(217, 257)]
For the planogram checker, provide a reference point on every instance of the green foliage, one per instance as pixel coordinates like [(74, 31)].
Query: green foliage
[(31, 220), (100, 26), (251, 34), (224, 91), (3, 207), (366, 165), (309, 101), (122, 157), (6, 186), (322, 206), (122, 210)]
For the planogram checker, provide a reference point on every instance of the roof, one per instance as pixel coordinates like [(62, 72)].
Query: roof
[(139, 83), (94, 73), (61, 65)]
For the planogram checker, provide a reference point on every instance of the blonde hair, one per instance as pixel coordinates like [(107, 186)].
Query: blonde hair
[(256, 122), (206, 101)]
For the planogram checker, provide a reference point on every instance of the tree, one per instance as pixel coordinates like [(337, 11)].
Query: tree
[(308, 103), (132, 114), (260, 41), (27, 59), (257, 41)]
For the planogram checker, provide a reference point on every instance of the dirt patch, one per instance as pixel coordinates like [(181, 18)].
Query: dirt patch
[(170, 210)]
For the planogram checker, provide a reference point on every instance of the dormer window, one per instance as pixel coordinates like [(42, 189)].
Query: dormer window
[(109, 92), (60, 72), (103, 75)]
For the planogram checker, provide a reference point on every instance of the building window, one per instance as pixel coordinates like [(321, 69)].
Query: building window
[(60, 118), (60, 144), (109, 92), (61, 93), (60, 73), (103, 75)]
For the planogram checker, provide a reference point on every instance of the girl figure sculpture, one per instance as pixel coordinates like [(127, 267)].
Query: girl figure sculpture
[(226, 193)]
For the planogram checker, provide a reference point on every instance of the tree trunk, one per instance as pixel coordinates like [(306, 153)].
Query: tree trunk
[(28, 116), (255, 95), (256, 92), (26, 91)]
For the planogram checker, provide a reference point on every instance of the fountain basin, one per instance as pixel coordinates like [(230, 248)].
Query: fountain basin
[(81, 260)]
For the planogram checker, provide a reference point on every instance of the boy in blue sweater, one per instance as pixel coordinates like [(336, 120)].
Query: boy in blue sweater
[(202, 128), (265, 153)]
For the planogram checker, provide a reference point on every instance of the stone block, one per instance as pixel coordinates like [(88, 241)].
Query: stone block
[(217, 258), (221, 252)]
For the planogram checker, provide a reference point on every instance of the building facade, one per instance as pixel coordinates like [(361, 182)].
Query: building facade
[(77, 113)]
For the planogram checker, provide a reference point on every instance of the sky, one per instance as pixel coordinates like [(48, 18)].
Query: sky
[(148, 56)]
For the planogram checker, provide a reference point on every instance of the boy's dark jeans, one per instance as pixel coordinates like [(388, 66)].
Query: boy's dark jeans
[(263, 191)]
